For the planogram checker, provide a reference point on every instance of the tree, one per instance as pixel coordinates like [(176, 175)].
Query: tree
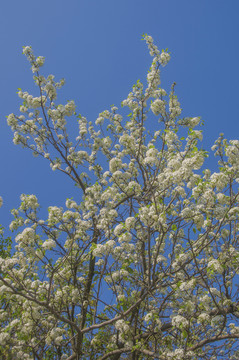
[(146, 264)]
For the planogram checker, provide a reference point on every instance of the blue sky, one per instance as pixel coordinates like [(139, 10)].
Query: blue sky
[(96, 46)]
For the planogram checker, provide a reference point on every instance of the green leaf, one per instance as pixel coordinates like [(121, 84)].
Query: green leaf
[(185, 334), (129, 270)]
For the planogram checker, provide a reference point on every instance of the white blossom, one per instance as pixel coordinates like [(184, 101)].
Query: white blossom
[(49, 244), (179, 321)]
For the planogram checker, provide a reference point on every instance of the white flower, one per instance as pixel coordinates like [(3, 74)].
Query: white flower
[(69, 108), (40, 60), (194, 121), (121, 326), (4, 337), (203, 317), (234, 329), (121, 297), (215, 265), (27, 237), (118, 229), (177, 354), (158, 107), (126, 237), (164, 58), (220, 180), (110, 244), (115, 164), (148, 317), (12, 121), (179, 321), (215, 292), (49, 244), (162, 258), (23, 108), (116, 275), (130, 222), (27, 50), (3, 290), (58, 340), (29, 201), (174, 106)]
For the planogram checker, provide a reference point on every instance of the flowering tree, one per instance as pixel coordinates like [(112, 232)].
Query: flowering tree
[(145, 265)]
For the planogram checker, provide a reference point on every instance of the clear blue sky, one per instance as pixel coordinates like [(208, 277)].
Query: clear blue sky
[(95, 45)]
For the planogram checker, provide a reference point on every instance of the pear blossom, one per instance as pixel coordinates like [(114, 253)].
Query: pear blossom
[(179, 321), (49, 244)]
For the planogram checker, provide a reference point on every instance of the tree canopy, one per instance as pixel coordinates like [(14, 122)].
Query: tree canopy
[(144, 263)]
